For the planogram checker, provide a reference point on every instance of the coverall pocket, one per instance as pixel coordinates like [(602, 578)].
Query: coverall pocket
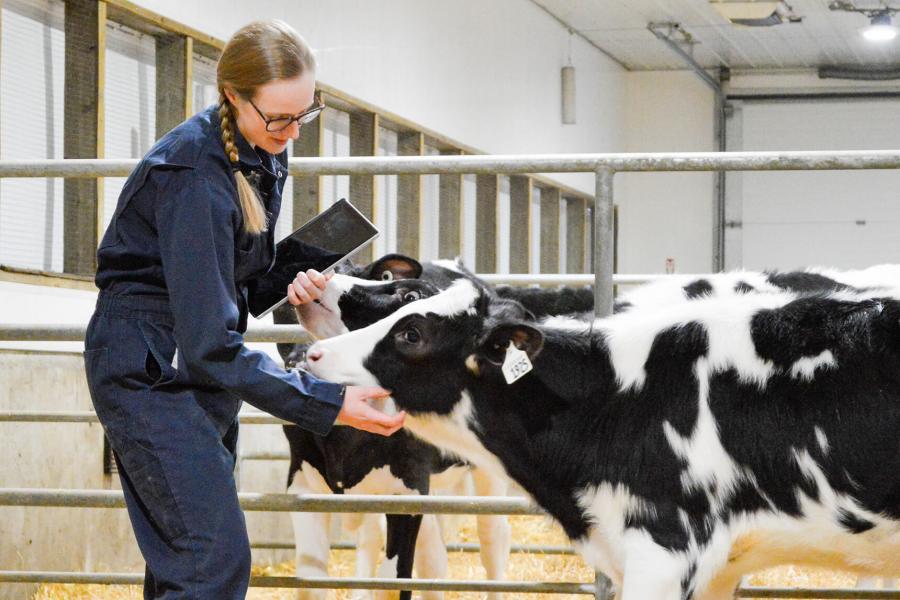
[(160, 353), (252, 259), (143, 469)]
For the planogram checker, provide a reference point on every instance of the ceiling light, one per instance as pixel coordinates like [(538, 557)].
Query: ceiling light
[(881, 29), (755, 13)]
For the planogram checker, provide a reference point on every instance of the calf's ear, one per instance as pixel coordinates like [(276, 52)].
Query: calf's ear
[(494, 344), (393, 266)]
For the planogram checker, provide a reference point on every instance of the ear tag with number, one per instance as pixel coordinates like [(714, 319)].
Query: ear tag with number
[(516, 364)]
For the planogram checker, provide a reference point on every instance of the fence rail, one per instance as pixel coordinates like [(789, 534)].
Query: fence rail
[(463, 547), (353, 583), (88, 416), (343, 503), (504, 164), (450, 585)]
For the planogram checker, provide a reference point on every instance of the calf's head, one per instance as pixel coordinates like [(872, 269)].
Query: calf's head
[(350, 303), (430, 351)]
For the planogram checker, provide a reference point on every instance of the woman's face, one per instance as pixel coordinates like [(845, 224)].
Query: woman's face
[(278, 98)]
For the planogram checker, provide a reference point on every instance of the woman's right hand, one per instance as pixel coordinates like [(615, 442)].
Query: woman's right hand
[(358, 413)]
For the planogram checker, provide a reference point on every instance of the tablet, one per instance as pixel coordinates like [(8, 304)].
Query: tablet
[(332, 236)]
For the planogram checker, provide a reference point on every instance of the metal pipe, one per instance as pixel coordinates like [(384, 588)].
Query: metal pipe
[(603, 242), (353, 583), (30, 332), (507, 164), (434, 585), (564, 279), (265, 455), (466, 547), (772, 592), (370, 503), (720, 138), (86, 416), (859, 74)]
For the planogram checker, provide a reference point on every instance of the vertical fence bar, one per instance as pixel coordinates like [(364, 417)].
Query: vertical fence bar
[(307, 191), (83, 137), (603, 242), (549, 257), (173, 85), (575, 226), (450, 205)]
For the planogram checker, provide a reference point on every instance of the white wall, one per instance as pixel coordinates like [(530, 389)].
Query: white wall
[(484, 73), (666, 215)]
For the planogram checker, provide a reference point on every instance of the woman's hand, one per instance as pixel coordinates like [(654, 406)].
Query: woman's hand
[(307, 287), (358, 413)]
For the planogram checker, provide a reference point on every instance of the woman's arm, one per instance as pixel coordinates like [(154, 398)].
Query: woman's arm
[(196, 224)]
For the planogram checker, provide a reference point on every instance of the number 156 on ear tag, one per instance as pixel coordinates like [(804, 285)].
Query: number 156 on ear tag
[(516, 364)]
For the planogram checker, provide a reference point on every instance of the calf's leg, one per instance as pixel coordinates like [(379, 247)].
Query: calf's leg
[(311, 543), (493, 530)]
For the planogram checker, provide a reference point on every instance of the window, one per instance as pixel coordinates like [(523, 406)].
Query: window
[(33, 62)]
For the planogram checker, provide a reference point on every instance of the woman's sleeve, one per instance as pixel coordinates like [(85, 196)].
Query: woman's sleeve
[(197, 246)]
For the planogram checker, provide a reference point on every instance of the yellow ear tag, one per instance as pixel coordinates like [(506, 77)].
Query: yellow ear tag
[(516, 364)]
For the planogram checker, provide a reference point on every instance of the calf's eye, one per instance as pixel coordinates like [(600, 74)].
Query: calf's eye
[(387, 276), (412, 336), (411, 296)]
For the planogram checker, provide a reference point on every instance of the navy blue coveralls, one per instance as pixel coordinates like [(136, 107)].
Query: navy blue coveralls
[(176, 269)]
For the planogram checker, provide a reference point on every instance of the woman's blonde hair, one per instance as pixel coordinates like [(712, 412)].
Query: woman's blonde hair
[(256, 54)]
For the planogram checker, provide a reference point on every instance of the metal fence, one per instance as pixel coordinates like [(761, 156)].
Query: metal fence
[(604, 167)]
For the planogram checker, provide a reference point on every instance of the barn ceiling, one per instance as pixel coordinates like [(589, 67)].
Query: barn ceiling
[(823, 37)]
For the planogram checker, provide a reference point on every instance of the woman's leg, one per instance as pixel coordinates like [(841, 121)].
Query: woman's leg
[(183, 505), (175, 458)]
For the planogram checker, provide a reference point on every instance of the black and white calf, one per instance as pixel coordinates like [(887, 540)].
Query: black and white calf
[(679, 447), (669, 290), (352, 461)]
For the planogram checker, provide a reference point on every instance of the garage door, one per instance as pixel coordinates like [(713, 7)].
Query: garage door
[(784, 220)]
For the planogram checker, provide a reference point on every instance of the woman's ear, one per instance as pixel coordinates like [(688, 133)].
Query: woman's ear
[(230, 95)]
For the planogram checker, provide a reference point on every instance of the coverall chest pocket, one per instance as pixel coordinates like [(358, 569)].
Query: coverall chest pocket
[(253, 257)]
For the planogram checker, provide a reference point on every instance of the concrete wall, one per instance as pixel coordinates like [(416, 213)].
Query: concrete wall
[(55, 456), (70, 455)]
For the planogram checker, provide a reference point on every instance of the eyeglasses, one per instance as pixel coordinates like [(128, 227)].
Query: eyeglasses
[(282, 123)]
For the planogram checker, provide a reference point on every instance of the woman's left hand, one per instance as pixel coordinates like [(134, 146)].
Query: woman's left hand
[(307, 287)]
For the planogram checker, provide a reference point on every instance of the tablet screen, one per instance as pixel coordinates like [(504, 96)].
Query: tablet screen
[(330, 237)]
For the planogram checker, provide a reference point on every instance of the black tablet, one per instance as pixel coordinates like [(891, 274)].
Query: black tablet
[(332, 236)]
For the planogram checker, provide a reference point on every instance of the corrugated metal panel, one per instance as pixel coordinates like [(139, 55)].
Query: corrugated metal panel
[(130, 98), (31, 121), (824, 36)]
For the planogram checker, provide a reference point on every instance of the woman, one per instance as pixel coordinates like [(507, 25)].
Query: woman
[(192, 230)]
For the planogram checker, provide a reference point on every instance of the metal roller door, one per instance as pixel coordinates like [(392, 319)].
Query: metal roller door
[(784, 220)]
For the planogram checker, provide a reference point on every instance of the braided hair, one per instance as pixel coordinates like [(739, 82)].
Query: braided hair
[(255, 221)]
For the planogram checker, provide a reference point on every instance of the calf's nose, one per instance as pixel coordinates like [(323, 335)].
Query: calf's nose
[(313, 355)]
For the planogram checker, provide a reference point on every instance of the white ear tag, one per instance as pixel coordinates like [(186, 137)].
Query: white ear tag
[(516, 364)]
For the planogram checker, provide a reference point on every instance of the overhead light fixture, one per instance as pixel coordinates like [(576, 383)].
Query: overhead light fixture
[(755, 13), (881, 28), (567, 77)]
